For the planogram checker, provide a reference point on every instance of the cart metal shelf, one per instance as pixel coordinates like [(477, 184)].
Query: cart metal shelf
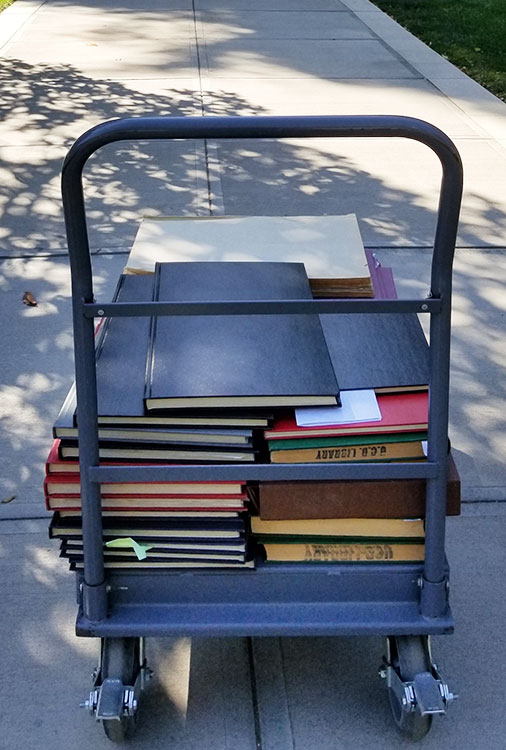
[(407, 603)]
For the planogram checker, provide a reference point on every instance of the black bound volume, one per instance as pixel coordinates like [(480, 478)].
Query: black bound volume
[(387, 352), (237, 360), (121, 355)]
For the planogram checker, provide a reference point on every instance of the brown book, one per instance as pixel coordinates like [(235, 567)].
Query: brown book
[(383, 498)]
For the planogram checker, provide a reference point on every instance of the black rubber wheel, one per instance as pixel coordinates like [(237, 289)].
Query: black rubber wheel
[(410, 656), (120, 660)]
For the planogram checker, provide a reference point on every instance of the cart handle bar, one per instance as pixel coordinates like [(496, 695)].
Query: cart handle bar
[(356, 126)]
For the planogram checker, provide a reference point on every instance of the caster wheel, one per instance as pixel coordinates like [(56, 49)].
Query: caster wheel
[(410, 656), (120, 660)]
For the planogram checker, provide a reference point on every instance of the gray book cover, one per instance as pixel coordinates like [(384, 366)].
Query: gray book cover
[(237, 360), (121, 353), (382, 351)]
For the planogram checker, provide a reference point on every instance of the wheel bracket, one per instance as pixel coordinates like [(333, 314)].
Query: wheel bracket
[(110, 699), (428, 695), (113, 699), (426, 692)]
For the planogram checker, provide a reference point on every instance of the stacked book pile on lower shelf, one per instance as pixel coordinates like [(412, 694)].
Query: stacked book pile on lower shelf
[(151, 524), (246, 389), (340, 539), (345, 521)]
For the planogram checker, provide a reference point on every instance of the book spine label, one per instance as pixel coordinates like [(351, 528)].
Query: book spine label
[(379, 552), (376, 452)]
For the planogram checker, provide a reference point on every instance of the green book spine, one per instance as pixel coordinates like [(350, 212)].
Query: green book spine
[(334, 442), (311, 539)]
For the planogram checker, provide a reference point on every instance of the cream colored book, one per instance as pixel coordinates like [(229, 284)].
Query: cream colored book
[(330, 247), (369, 528)]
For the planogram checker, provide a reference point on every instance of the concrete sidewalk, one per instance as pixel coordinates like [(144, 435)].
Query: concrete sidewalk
[(66, 67)]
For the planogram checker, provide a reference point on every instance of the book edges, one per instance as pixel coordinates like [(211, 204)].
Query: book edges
[(385, 498)]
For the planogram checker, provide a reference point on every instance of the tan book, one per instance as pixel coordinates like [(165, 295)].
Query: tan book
[(368, 528), (344, 553), (136, 564), (369, 452), (330, 247)]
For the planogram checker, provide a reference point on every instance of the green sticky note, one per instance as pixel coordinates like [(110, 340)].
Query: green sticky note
[(126, 542)]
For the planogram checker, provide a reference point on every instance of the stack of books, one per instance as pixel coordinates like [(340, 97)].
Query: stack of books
[(221, 389), (340, 540), (398, 433), (355, 521), (348, 521), (181, 390), (330, 247), (150, 524)]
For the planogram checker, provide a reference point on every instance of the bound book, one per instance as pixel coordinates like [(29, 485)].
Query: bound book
[(377, 552), (330, 246), (189, 418), (201, 513), (386, 352), (121, 353), (336, 529), (161, 452), (157, 565), (142, 503), (207, 546), (55, 486), (148, 528), (343, 441), (69, 482), (179, 436), (66, 421), (236, 361), (378, 451), (158, 552), (122, 347), (400, 412), (385, 498)]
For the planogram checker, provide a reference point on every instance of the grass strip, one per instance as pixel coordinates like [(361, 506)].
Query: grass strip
[(469, 33)]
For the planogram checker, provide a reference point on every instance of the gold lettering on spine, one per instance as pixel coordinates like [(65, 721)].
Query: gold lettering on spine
[(348, 552)]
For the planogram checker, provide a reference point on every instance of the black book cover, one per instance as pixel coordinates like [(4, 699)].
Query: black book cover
[(161, 555), (176, 436), (237, 360), (148, 528), (166, 452), (66, 419), (158, 564), (226, 423), (235, 547), (121, 353), (121, 348), (381, 351)]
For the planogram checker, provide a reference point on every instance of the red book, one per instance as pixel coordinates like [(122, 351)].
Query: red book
[(67, 472), (201, 515), (68, 485), (57, 465), (400, 412), (152, 504)]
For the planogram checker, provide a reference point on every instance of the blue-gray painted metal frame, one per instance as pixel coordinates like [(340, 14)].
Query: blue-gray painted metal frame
[(430, 600)]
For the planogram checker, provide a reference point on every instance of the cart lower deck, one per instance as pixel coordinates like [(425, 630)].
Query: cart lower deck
[(273, 599)]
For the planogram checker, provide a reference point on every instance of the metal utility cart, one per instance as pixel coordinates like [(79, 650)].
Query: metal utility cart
[(407, 603)]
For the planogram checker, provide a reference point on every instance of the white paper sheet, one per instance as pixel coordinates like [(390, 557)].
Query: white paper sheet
[(357, 406)]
